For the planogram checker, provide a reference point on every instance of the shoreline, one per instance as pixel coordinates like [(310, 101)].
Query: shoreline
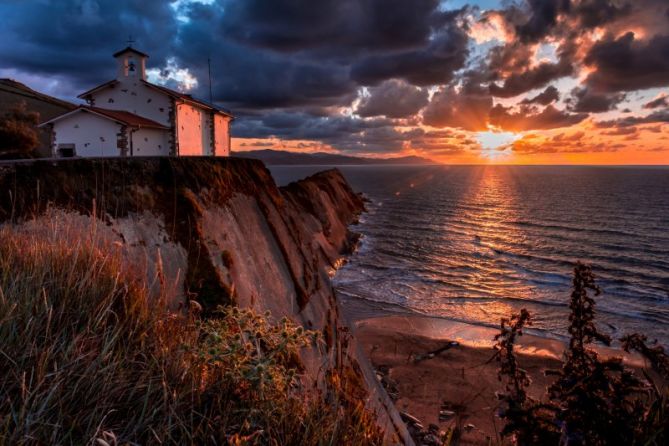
[(480, 336), (461, 379), (361, 312)]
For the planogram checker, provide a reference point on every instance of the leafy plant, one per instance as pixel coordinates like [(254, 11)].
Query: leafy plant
[(529, 421), (18, 133), (596, 398), (592, 401)]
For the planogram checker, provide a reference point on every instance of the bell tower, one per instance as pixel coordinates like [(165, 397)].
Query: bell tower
[(131, 64)]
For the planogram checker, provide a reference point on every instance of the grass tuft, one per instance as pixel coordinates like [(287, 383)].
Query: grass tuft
[(89, 357)]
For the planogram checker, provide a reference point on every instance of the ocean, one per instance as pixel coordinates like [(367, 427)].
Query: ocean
[(477, 243)]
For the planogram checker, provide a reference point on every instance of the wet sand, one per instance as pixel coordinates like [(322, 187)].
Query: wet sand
[(462, 379)]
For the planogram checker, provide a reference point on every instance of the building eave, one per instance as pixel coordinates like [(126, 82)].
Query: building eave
[(101, 113), (129, 49), (189, 99), (108, 84)]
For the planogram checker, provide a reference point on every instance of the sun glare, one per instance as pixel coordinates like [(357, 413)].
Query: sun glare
[(493, 140)]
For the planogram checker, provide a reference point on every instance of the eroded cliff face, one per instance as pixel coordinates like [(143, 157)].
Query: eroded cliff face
[(218, 231)]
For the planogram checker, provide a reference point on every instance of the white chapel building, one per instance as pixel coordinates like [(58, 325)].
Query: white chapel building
[(130, 116)]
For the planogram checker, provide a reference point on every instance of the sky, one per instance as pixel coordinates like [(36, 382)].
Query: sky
[(486, 81)]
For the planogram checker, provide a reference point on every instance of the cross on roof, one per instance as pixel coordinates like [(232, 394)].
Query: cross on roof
[(130, 41)]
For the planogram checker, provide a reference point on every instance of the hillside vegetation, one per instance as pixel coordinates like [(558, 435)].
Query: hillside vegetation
[(89, 358)]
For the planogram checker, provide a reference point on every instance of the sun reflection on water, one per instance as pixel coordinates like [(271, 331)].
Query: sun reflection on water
[(481, 231)]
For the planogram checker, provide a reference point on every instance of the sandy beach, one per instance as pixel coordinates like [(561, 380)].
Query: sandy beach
[(462, 379)]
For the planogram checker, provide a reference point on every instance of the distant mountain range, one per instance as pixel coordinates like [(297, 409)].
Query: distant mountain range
[(279, 157)]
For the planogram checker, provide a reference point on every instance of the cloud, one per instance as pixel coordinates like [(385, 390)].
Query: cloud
[(467, 110), (627, 64), (173, 76), (621, 131), (574, 137), (660, 101), (274, 54), (594, 13), (330, 26), (548, 96), (394, 99), (534, 144), (346, 133), (540, 17), (586, 100), (529, 119), (257, 79), (472, 109), (516, 67), (365, 76), (78, 37), (435, 64), (659, 116), (537, 77)]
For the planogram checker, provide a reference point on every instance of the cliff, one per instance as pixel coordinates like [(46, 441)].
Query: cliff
[(217, 231)]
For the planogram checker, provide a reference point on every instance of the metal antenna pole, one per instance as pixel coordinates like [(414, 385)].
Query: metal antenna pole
[(211, 98)]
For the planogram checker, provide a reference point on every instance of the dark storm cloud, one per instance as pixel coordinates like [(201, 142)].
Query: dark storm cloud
[(302, 126), (548, 96), (351, 134), (338, 25), (626, 64), (252, 78), (297, 54), (518, 83), (592, 13), (378, 39), (432, 65), (265, 53), (300, 62), (585, 100), (394, 99), (77, 37), (538, 19)]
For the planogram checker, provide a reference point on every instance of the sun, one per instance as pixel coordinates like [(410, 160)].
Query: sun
[(492, 140)]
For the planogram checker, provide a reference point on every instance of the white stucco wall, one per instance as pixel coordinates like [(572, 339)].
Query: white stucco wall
[(133, 96), (150, 142), (92, 135), (192, 130), (193, 124), (222, 135)]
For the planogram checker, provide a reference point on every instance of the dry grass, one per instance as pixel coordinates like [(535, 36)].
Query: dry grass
[(89, 358)]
